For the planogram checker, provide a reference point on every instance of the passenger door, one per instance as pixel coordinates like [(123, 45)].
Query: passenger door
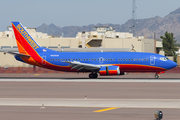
[(152, 60)]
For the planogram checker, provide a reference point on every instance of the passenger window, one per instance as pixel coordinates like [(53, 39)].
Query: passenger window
[(113, 59), (50, 59)]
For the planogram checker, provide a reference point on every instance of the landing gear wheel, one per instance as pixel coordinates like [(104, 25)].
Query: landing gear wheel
[(156, 76), (93, 75)]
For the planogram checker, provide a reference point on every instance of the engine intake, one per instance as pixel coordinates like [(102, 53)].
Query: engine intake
[(110, 70)]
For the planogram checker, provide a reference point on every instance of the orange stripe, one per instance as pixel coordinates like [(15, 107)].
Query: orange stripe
[(29, 60), (21, 49)]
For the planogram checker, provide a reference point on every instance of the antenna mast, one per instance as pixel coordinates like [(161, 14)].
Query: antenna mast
[(133, 18)]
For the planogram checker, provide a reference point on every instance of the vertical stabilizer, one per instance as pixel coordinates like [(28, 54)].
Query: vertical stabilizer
[(26, 44)]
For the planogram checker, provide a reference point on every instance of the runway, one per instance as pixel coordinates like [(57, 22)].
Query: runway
[(112, 80), (120, 103), (79, 99), (67, 75)]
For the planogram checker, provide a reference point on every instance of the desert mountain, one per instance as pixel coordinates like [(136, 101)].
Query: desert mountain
[(144, 27)]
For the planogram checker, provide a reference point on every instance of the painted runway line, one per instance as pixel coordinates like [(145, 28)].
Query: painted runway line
[(107, 109)]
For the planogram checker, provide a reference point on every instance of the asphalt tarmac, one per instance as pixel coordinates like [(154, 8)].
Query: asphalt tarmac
[(68, 75), (43, 97)]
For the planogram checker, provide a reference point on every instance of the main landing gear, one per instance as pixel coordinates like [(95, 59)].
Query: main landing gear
[(93, 75), (156, 76)]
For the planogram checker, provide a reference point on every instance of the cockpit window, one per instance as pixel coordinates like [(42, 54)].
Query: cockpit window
[(164, 58)]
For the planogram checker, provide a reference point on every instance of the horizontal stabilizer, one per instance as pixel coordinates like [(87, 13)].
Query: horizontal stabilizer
[(18, 54)]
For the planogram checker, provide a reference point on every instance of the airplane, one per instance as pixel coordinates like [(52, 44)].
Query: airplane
[(102, 63)]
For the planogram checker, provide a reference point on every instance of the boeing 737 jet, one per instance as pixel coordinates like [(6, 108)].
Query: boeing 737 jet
[(102, 63)]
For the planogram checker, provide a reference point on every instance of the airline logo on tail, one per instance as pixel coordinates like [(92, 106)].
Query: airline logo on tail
[(27, 36)]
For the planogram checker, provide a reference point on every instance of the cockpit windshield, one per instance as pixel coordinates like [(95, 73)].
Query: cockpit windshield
[(164, 58)]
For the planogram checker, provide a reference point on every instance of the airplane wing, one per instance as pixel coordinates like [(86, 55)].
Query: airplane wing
[(79, 66), (18, 54)]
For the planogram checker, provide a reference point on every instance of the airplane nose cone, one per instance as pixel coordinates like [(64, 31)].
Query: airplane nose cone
[(169, 64), (173, 64)]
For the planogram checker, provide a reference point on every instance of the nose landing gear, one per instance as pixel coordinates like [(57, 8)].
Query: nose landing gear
[(156, 76), (93, 75)]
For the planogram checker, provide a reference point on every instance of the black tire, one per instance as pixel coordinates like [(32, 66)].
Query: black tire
[(95, 75), (91, 75), (156, 76)]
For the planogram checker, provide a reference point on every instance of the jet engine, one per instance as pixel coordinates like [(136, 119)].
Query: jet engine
[(110, 70)]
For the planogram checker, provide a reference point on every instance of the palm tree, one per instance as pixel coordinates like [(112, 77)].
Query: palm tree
[(169, 44)]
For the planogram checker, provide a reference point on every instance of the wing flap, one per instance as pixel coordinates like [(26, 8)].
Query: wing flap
[(79, 66)]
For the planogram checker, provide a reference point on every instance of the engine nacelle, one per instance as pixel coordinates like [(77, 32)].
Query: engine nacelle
[(110, 70)]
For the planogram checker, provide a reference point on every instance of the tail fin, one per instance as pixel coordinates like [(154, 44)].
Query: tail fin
[(26, 44)]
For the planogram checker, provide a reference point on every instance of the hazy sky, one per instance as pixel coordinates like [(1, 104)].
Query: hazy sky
[(33, 13)]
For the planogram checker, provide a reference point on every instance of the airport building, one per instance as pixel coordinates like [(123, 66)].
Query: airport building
[(101, 38)]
